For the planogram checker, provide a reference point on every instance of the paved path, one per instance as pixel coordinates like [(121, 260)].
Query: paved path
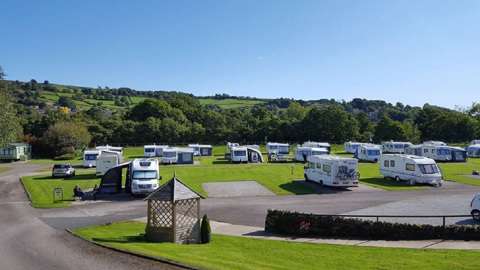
[(258, 232), (26, 242), (236, 189)]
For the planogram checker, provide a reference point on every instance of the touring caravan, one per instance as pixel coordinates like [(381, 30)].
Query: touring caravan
[(107, 160), (302, 153), (177, 155), (332, 171), (90, 158), (438, 152), (473, 150), (145, 175), (395, 147), (318, 145), (110, 148), (410, 168), (278, 151), (415, 150), (368, 152), (244, 154), (201, 149), (153, 150), (351, 147)]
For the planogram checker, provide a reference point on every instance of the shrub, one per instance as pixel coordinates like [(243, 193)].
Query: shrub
[(205, 230), (299, 224)]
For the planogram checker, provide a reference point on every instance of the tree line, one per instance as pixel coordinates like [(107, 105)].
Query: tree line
[(173, 117)]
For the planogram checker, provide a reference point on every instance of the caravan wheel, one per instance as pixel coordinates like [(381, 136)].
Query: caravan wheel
[(476, 215)]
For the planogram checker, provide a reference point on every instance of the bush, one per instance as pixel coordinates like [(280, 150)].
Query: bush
[(205, 230), (299, 224)]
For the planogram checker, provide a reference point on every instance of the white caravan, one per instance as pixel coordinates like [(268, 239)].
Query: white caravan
[(144, 175), (153, 150), (90, 158), (473, 150), (169, 155), (318, 145), (201, 149), (302, 153), (278, 151), (107, 160), (110, 148), (474, 142), (239, 154), (369, 152), (410, 168), (332, 171), (395, 147), (351, 147)]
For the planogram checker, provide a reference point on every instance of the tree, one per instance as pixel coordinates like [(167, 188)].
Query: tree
[(388, 129), (64, 101), (10, 128), (66, 138)]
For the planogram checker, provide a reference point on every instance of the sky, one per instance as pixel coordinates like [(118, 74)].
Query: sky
[(414, 52)]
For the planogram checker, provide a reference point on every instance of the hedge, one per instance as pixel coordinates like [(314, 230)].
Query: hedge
[(311, 225)]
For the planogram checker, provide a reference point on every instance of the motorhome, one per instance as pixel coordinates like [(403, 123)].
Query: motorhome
[(201, 149), (302, 152), (145, 175), (414, 169), (395, 147), (90, 158), (473, 150), (153, 150), (351, 147), (369, 152), (332, 171), (177, 155), (107, 160), (110, 148), (278, 151), (318, 145)]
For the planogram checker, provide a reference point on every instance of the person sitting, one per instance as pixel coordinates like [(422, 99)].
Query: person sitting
[(78, 192)]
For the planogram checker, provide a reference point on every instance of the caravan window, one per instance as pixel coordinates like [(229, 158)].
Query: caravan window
[(149, 150), (327, 168), (392, 163), (410, 167), (443, 151), (373, 152), (91, 156), (169, 154), (386, 163), (240, 153), (311, 165), (428, 168), (425, 150), (398, 146), (144, 174)]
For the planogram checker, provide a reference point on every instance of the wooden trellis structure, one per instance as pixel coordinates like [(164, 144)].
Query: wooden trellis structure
[(173, 214)]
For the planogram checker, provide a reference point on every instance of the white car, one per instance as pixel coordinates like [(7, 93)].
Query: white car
[(475, 207)]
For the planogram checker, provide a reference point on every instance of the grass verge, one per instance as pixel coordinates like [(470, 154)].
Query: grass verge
[(228, 252)]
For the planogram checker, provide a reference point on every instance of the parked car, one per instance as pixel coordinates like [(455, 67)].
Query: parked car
[(63, 170), (475, 207)]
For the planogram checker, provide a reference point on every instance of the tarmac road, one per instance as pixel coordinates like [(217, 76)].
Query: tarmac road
[(26, 242)]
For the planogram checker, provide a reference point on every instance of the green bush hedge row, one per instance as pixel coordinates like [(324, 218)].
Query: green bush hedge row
[(300, 224)]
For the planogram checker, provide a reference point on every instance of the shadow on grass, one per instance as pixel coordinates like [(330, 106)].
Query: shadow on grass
[(302, 187), (127, 239), (221, 161), (90, 176), (388, 182)]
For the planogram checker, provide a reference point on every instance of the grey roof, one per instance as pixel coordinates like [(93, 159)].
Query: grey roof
[(173, 190)]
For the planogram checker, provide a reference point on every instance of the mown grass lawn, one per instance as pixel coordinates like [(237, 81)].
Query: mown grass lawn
[(227, 252)]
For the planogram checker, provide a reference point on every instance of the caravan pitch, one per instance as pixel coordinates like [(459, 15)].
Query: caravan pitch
[(236, 189)]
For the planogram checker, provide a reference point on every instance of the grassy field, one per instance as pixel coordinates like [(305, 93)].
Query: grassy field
[(226, 252), (230, 102), (280, 178)]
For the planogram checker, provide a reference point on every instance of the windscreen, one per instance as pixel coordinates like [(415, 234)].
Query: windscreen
[(428, 168), (443, 151), (373, 152), (144, 175), (149, 150)]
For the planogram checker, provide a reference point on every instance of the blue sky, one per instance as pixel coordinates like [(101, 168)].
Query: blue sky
[(409, 51)]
